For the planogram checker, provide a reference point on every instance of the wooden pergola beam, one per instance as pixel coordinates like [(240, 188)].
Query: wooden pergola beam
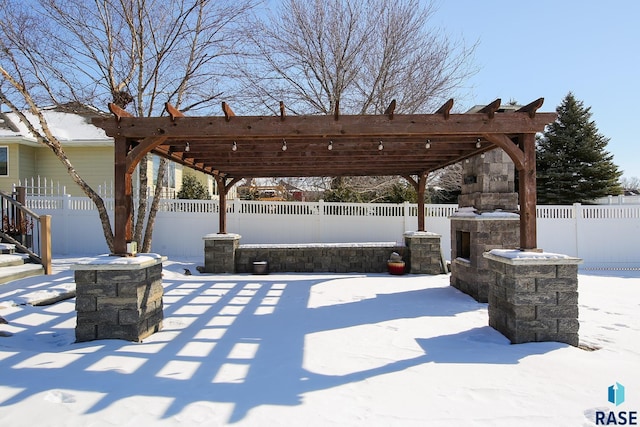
[(527, 193), (374, 127), (532, 107), (228, 112), (420, 187), (412, 145), (390, 109), (491, 109), (445, 110)]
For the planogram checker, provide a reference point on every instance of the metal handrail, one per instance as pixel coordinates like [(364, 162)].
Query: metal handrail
[(23, 228)]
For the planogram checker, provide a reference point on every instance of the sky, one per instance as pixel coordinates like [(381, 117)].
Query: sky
[(349, 350), (548, 48)]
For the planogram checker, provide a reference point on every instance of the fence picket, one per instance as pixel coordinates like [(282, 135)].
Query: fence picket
[(603, 235)]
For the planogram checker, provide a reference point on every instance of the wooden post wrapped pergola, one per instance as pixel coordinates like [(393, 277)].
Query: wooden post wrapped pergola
[(231, 148)]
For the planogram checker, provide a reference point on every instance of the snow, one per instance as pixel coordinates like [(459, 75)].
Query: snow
[(106, 261), (65, 126), (471, 212), (530, 257), (315, 350)]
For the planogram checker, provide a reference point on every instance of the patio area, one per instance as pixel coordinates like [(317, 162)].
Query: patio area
[(312, 349)]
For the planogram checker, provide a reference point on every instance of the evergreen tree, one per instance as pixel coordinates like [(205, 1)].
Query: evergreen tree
[(572, 163), (193, 189)]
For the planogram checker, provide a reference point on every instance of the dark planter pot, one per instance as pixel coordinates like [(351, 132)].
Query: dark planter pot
[(396, 267), (260, 267)]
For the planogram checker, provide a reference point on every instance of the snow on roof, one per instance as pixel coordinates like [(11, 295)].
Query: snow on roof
[(67, 127)]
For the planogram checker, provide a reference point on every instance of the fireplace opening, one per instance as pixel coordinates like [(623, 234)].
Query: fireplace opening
[(463, 244)]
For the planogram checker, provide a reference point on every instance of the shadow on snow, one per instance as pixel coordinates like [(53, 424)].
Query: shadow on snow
[(234, 339)]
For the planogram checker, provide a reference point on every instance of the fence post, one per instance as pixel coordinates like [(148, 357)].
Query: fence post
[(45, 242), (577, 218), (406, 213), (320, 234)]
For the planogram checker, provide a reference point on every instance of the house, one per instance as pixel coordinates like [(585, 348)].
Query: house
[(25, 161)]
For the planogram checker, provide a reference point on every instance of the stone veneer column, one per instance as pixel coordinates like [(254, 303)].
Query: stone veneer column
[(492, 230), (119, 297), (535, 296), (424, 252), (220, 252)]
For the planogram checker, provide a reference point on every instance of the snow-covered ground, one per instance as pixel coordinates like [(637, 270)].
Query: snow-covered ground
[(314, 350)]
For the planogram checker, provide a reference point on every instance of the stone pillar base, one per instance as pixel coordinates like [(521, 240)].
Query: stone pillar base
[(220, 252), (534, 297), (119, 297), (425, 255)]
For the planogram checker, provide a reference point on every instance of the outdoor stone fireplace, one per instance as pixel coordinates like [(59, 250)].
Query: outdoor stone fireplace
[(486, 219)]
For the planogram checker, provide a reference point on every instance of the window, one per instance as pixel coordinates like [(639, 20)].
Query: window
[(169, 180), (4, 161)]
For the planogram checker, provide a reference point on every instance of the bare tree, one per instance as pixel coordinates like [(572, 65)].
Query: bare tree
[(355, 56), (360, 54), (630, 183), (136, 53)]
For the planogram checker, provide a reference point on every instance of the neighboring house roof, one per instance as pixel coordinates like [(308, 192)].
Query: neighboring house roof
[(70, 123)]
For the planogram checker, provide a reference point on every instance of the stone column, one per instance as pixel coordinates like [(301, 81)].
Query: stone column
[(220, 252), (535, 296), (424, 256), (119, 297), (486, 220), (483, 232)]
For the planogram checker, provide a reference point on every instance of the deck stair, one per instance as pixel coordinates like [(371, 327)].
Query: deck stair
[(14, 266)]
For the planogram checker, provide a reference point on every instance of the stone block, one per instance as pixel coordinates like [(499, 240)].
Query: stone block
[(531, 298), (119, 276), (558, 311), (87, 303), (117, 331), (96, 290), (568, 326), (149, 292), (537, 271), (517, 284), (537, 325), (567, 271), (128, 317), (107, 315), (154, 273), (521, 337), (85, 276), (568, 298), (521, 312), (86, 332), (562, 285)]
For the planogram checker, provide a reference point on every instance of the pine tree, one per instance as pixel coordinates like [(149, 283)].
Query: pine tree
[(572, 163), (193, 189)]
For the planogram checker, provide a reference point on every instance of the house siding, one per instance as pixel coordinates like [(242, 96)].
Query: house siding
[(93, 164)]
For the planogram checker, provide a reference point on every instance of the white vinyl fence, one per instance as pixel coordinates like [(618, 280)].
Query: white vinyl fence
[(604, 236)]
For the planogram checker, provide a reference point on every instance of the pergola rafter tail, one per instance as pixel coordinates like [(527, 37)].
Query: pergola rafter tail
[(233, 147)]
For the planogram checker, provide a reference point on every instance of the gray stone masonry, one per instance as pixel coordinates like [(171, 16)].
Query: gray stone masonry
[(489, 183), (472, 274), (119, 301), (220, 252), (425, 254), (335, 258), (534, 298)]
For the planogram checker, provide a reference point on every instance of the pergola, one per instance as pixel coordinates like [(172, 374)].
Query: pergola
[(231, 148)]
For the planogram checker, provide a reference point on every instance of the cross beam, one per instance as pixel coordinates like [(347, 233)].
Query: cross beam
[(231, 147)]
